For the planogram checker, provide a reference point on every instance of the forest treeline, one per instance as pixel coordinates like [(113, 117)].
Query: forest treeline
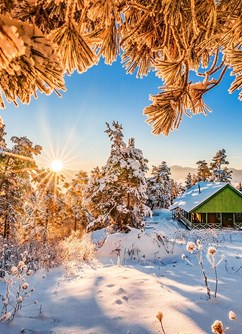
[(40, 204)]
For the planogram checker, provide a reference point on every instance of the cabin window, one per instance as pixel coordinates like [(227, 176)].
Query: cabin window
[(195, 218), (238, 217), (214, 218), (203, 218), (227, 220)]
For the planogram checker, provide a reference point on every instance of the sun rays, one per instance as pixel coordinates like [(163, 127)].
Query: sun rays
[(49, 169), (57, 166)]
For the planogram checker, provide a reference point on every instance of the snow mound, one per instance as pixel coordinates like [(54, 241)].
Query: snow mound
[(139, 245)]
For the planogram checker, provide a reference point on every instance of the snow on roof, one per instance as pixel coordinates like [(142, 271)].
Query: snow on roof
[(191, 198)]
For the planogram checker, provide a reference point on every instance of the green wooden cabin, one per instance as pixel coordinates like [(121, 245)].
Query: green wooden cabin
[(209, 205)]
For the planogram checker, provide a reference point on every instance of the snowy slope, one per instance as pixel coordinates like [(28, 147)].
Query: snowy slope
[(106, 298)]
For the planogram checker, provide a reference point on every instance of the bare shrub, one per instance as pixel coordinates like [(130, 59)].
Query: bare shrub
[(35, 254), (17, 291), (78, 247)]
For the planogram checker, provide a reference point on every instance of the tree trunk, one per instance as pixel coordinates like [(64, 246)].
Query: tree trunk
[(75, 223), (46, 226), (6, 227), (4, 173)]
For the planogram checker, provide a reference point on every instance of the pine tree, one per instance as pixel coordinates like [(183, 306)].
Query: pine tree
[(190, 180), (194, 179), (176, 189), (15, 183), (203, 172), (159, 187), (117, 195), (51, 219), (42, 40), (216, 166), (2, 136), (239, 187), (74, 198), (4, 159), (92, 198)]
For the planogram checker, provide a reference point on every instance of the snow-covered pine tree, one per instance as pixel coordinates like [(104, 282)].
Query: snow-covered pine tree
[(15, 183), (176, 189), (4, 159), (218, 172), (203, 172), (239, 187), (190, 180), (226, 175), (117, 196), (194, 179), (5, 182), (74, 197), (159, 187), (92, 197), (2, 135), (51, 219)]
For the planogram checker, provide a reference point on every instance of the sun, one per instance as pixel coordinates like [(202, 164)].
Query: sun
[(56, 166)]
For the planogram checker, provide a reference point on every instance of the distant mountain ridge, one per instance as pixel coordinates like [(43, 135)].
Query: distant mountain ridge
[(179, 173)]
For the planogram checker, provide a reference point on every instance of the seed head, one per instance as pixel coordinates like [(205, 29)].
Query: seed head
[(159, 316), (5, 316), (20, 299), (212, 251), (191, 247), (25, 286), (217, 327), (29, 272), (14, 270), (232, 315), (21, 265)]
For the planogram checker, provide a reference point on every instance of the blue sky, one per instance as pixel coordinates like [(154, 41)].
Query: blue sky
[(75, 123)]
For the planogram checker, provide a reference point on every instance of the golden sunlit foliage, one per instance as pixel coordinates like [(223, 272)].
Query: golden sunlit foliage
[(44, 39)]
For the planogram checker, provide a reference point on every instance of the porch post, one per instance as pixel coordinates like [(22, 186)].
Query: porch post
[(221, 219), (206, 219)]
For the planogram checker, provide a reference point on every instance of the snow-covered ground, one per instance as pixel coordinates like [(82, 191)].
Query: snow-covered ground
[(133, 277)]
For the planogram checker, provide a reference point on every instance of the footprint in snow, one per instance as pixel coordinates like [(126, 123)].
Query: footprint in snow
[(117, 318), (118, 301), (120, 291), (110, 285), (125, 298), (98, 280)]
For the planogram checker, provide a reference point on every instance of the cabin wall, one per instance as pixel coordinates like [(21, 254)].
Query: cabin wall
[(225, 201)]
